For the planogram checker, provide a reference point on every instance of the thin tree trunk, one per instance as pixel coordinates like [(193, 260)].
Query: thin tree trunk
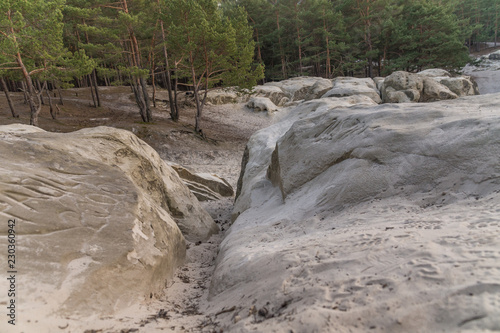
[(92, 93), (174, 111), (60, 94), (96, 88), (149, 114), (299, 39), (199, 107), (9, 100), (176, 104), (34, 107), (139, 99), (154, 88), (282, 54), (52, 113), (25, 92), (328, 61), (40, 90), (259, 55), (141, 93)]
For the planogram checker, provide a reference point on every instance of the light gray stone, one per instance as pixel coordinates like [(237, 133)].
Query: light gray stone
[(385, 199), (461, 85), (261, 104), (434, 72), (204, 186), (274, 93), (402, 87), (350, 86), (99, 218), (434, 91)]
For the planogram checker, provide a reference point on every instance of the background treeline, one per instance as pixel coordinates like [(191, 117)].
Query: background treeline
[(199, 44), (367, 37)]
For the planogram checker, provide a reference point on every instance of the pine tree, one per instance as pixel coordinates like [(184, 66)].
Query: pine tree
[(427, 35), (31, 37), (214, 52)]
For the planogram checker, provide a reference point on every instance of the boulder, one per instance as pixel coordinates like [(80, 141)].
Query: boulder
[(262, 144), (379, 81), (434, 72), (261, 104), (461, 85), (402, 87), (303, 87), (434, 91), (274, 93), (318, 89), (99, 218), (427, 86), (350, 86), (224, 96), (204, 186), (494, 56), (387, 209)]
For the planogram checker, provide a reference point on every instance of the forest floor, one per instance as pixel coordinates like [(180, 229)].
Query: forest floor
[(227, 129)]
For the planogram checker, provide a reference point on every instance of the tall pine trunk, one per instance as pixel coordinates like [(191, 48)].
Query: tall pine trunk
[(52, 112), (138, 84), (174, 111), (94, 77), (31, 94), (9, 100)]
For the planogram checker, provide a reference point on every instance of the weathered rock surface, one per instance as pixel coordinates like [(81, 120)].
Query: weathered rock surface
[(434, 72), (427, 86), (350, 86), (303, 87), (387, 212), (261, 104), (261, 145), (462, 85), (318, 89), (402, 87), (274, 93), (99, 218), (434, 91), (226, 96), (379, 81), (204, 186), (494, 56)]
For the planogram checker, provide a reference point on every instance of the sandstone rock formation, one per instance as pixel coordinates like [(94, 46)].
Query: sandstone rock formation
[(402, 87), (261, 104), (204, 186), (274, 93), (303, 87), (461, 86), (434, 72), (426, 86), (494, 56), (434, 91), (99, 217), (350, 86), (226, 96), (374, 217), (262, 144)]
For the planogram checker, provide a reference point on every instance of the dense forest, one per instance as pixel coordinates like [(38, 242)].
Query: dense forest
[(199, 44)]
